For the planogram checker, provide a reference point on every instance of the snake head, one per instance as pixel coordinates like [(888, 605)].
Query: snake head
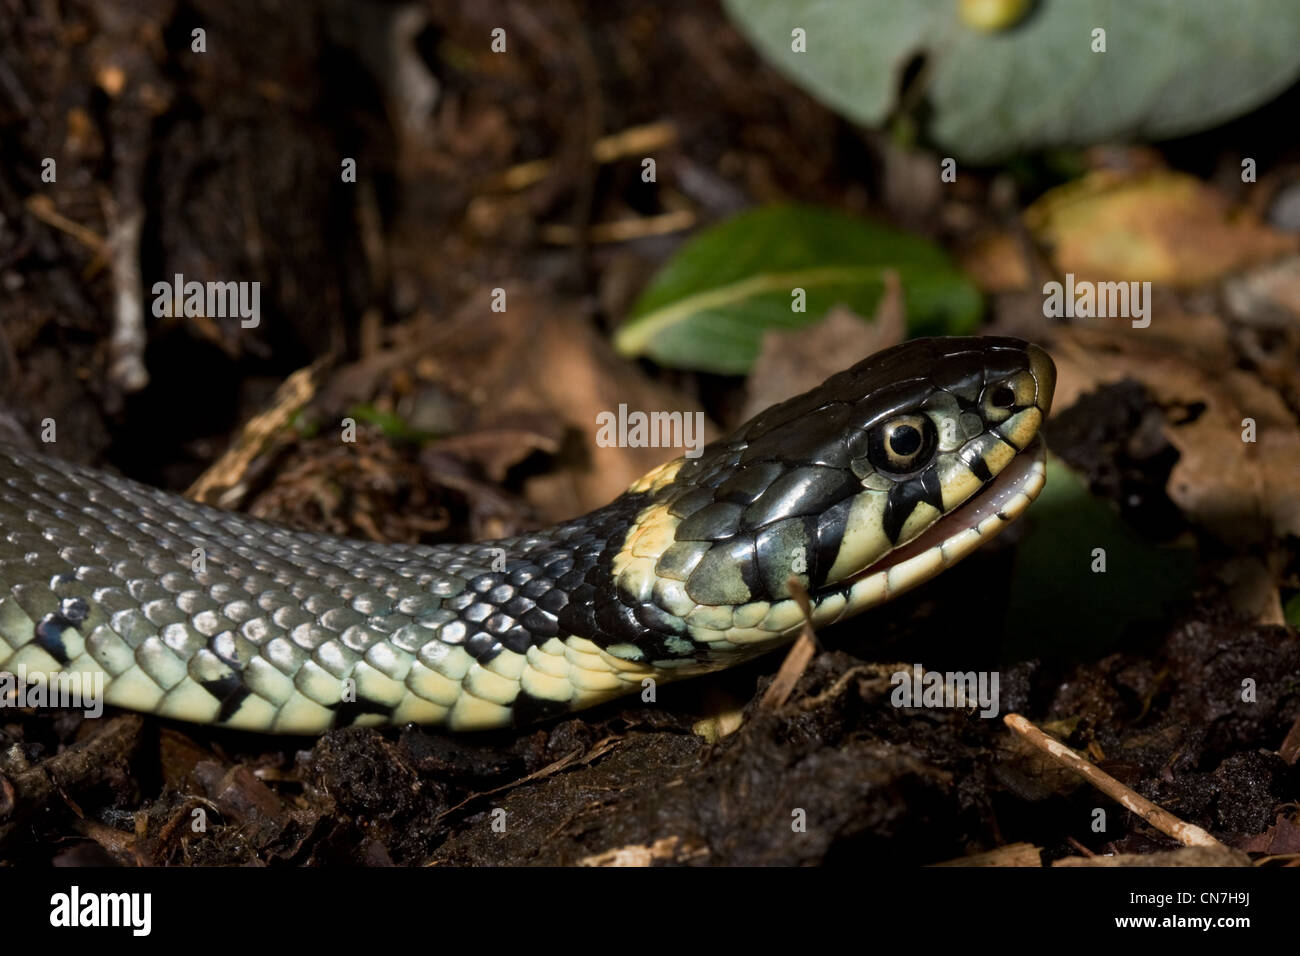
[(867, 485)]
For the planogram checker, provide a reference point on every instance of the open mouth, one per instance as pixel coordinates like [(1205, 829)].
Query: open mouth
[(971, 524)]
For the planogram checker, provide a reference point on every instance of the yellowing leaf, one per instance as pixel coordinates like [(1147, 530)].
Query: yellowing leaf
[(1163, 227)]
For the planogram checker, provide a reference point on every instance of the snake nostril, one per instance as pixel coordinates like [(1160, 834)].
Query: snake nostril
[(1003, 397)]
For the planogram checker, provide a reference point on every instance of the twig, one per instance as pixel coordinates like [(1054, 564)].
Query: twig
[(42, 207), (1013, 854), (575, 757), (1185, 833), (882, 672), (635, 140), (1079, 846), (81, 768), (227, 474), (796, 662), (620, 230)]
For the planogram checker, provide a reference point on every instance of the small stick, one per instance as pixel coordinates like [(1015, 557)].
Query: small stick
[(222, 481), (1187, 834), (1079, 846), (42, 207), (796, 662), (879, 671), (620, 230), (635, 140), (576, 756)]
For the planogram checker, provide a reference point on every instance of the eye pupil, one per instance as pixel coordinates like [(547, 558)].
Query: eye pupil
[(905, 440), (902, 445), (1003, 397)]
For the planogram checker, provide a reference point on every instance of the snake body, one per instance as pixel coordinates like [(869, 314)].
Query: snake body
[(859, 489)]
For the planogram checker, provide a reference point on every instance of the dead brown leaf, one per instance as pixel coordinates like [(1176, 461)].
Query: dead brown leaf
[(1269, 295), (1282, 837), (1244, 492), (997, 262), (540, 357), (795, 361), (497, 449), (1160, 226), (1251, 585)]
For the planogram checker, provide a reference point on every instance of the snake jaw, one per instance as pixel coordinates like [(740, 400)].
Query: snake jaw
[(979, 519), (811, 490), (1017, 461)]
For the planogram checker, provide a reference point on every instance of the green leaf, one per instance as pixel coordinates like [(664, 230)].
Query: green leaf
[(393, 426), (1059, 606), (708, 308), (1171, 67), (1292, 610)]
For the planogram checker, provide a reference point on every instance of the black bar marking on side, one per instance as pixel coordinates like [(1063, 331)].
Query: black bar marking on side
[(230, 690)]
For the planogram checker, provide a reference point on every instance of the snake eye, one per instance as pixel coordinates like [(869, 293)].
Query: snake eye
[(902, 444)]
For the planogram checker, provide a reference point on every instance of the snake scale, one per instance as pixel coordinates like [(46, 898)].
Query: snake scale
[(864, 487)]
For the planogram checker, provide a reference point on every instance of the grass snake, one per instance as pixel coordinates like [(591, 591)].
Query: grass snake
[(864, 487)]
